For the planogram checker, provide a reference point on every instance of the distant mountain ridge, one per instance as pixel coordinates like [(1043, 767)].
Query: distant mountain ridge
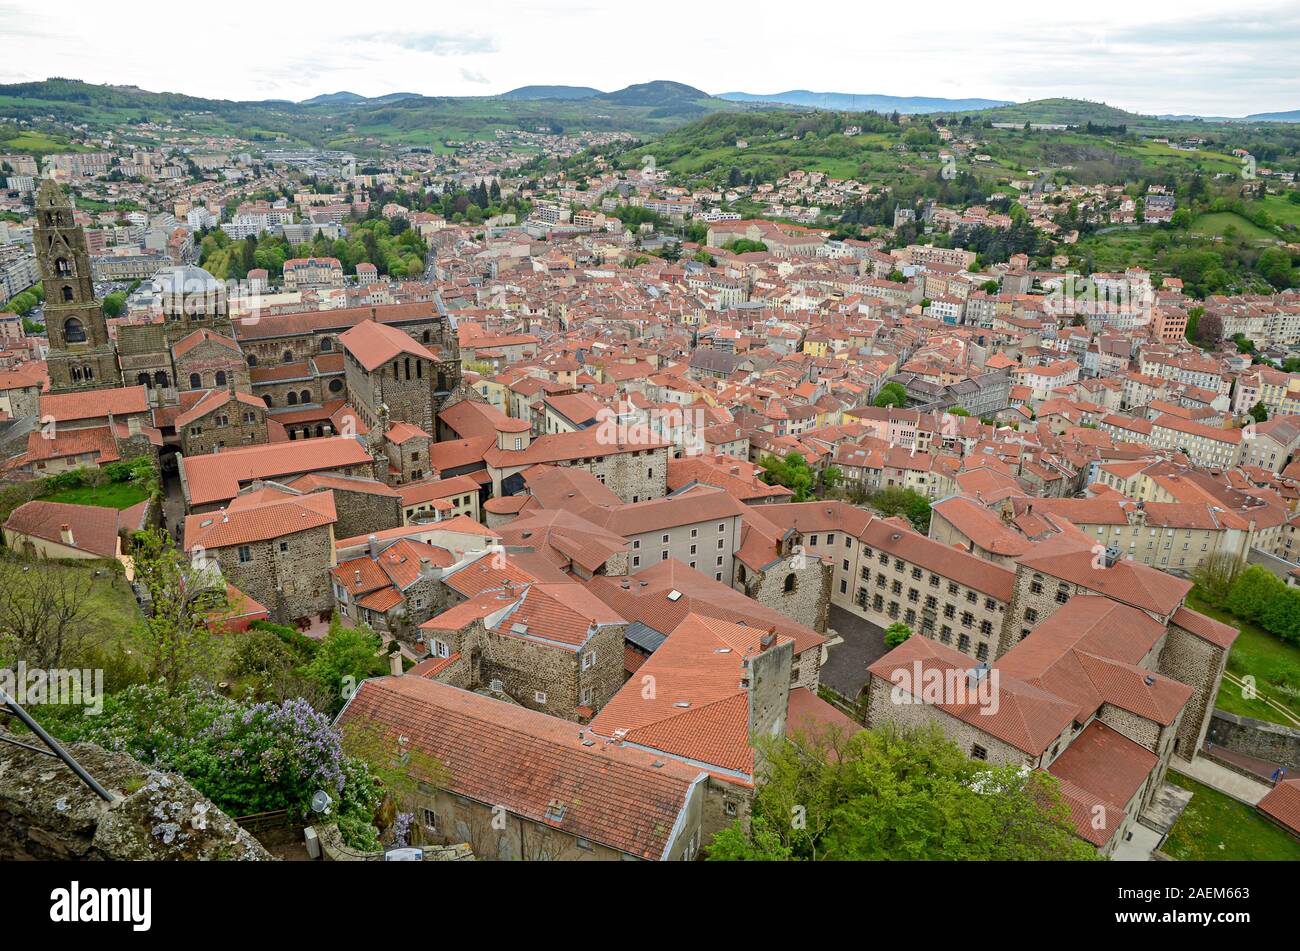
[(351, 98), (1292, 116), (552, 92), (855, 102)]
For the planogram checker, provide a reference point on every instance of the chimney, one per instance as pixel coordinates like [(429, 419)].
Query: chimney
[(66, 534), (395, 663), (133, 425), (372, 543), (357, 578)]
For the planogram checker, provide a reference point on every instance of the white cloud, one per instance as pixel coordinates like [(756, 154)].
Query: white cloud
[(1160, 56)]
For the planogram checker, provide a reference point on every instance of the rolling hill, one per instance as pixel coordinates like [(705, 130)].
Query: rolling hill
[(1062, 111), (1292, 116), (552, 92), (347, 120), (855, 102)]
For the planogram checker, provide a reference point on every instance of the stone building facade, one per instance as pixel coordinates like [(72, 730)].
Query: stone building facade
[(81, 354)]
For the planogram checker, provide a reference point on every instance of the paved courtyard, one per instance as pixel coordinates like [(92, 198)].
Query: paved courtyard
[(845, 670)]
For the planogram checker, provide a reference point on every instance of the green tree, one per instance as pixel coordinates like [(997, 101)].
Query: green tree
[(1259, 412), (1215, 576), (347, 656), (896, 633), (114, 304), (1252, 591), (896, 500), (889, 794), (175, 642), (891, 394), (791, 472)]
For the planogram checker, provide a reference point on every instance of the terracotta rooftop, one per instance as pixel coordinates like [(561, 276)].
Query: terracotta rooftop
[(536, 766)]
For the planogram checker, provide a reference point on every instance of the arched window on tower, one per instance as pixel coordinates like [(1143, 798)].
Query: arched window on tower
[(304, 396), (195, 381), (67, 292), (287, 356), (62, 267), (142, 379), (293, 398), (74, 331), (160, 379), (221, 378), (326, 344), (252, 359), (790, 583)]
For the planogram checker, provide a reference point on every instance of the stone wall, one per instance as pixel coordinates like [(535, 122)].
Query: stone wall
[(1199, 664), (882, 710), (1268, 741), (333, 849), (809, 603), (47, 813), (633, 476), (244, 426), (291, 584), (361, 513)]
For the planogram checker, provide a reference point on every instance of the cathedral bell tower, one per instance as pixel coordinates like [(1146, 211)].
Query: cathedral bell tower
[(81, 355)]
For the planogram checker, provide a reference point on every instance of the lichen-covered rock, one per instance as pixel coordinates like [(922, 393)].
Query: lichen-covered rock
[(46, 812)]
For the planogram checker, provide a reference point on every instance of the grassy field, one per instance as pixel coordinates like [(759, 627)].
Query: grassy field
[(114, 495), (1116, 250), (1215, 827), (1217, 224), (1273, 663), (1279, 209), (36, 143)]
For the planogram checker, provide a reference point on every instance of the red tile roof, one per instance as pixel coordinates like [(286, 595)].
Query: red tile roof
[(1109, 769), (1126, 581), (1024, 716), (258, 521), (374, 344), (216, 477), (645, 599), (94, 529), (1282, 803), (499, 754), (699, 710), (95, 404)]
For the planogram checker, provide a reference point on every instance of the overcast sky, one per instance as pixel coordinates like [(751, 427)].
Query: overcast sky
[(1151, 56)]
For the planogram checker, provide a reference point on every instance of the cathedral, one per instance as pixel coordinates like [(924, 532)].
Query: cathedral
[(211, 383), (81, 355)]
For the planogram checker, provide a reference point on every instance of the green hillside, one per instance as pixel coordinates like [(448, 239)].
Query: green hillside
[(348, 121), (1061, 111)]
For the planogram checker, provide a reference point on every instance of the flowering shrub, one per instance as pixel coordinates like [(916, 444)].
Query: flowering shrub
[(266, 756), (247, 758)]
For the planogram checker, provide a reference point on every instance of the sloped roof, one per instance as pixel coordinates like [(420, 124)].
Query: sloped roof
[(1282, 803), (261, 520), (1024, 716), (214, 477), (497, 753), (94, 529), (1127, 581), (699, 710), (644, 597), (374, 344)]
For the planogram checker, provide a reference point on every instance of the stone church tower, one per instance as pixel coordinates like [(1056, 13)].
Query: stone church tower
[(81, 355)]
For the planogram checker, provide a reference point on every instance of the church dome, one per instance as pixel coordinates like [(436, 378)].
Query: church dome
[(187, 279)]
